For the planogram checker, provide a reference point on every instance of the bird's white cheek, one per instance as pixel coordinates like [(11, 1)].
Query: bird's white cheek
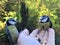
[(11, 22)]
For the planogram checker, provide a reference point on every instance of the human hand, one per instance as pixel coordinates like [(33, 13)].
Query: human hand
[(27, 39)]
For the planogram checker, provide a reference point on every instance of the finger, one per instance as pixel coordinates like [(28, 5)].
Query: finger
[(25, 32), (34, 33)]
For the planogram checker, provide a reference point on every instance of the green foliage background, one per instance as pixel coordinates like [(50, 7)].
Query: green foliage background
[(36, 8)]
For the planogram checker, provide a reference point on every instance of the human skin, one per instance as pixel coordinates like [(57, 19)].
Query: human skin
[(29, 39)]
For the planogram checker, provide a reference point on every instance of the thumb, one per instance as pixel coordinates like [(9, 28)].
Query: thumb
[(34, 33), (24, 32), (22, 36)]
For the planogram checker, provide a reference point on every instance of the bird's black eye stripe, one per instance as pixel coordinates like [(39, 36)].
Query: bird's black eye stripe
[(13, 20), (42, 18)]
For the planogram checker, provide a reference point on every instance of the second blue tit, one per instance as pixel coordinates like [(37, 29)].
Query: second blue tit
[(44, 23)]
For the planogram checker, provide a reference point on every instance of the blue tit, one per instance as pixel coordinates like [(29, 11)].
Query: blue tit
[(44, 23), (11, 31)]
